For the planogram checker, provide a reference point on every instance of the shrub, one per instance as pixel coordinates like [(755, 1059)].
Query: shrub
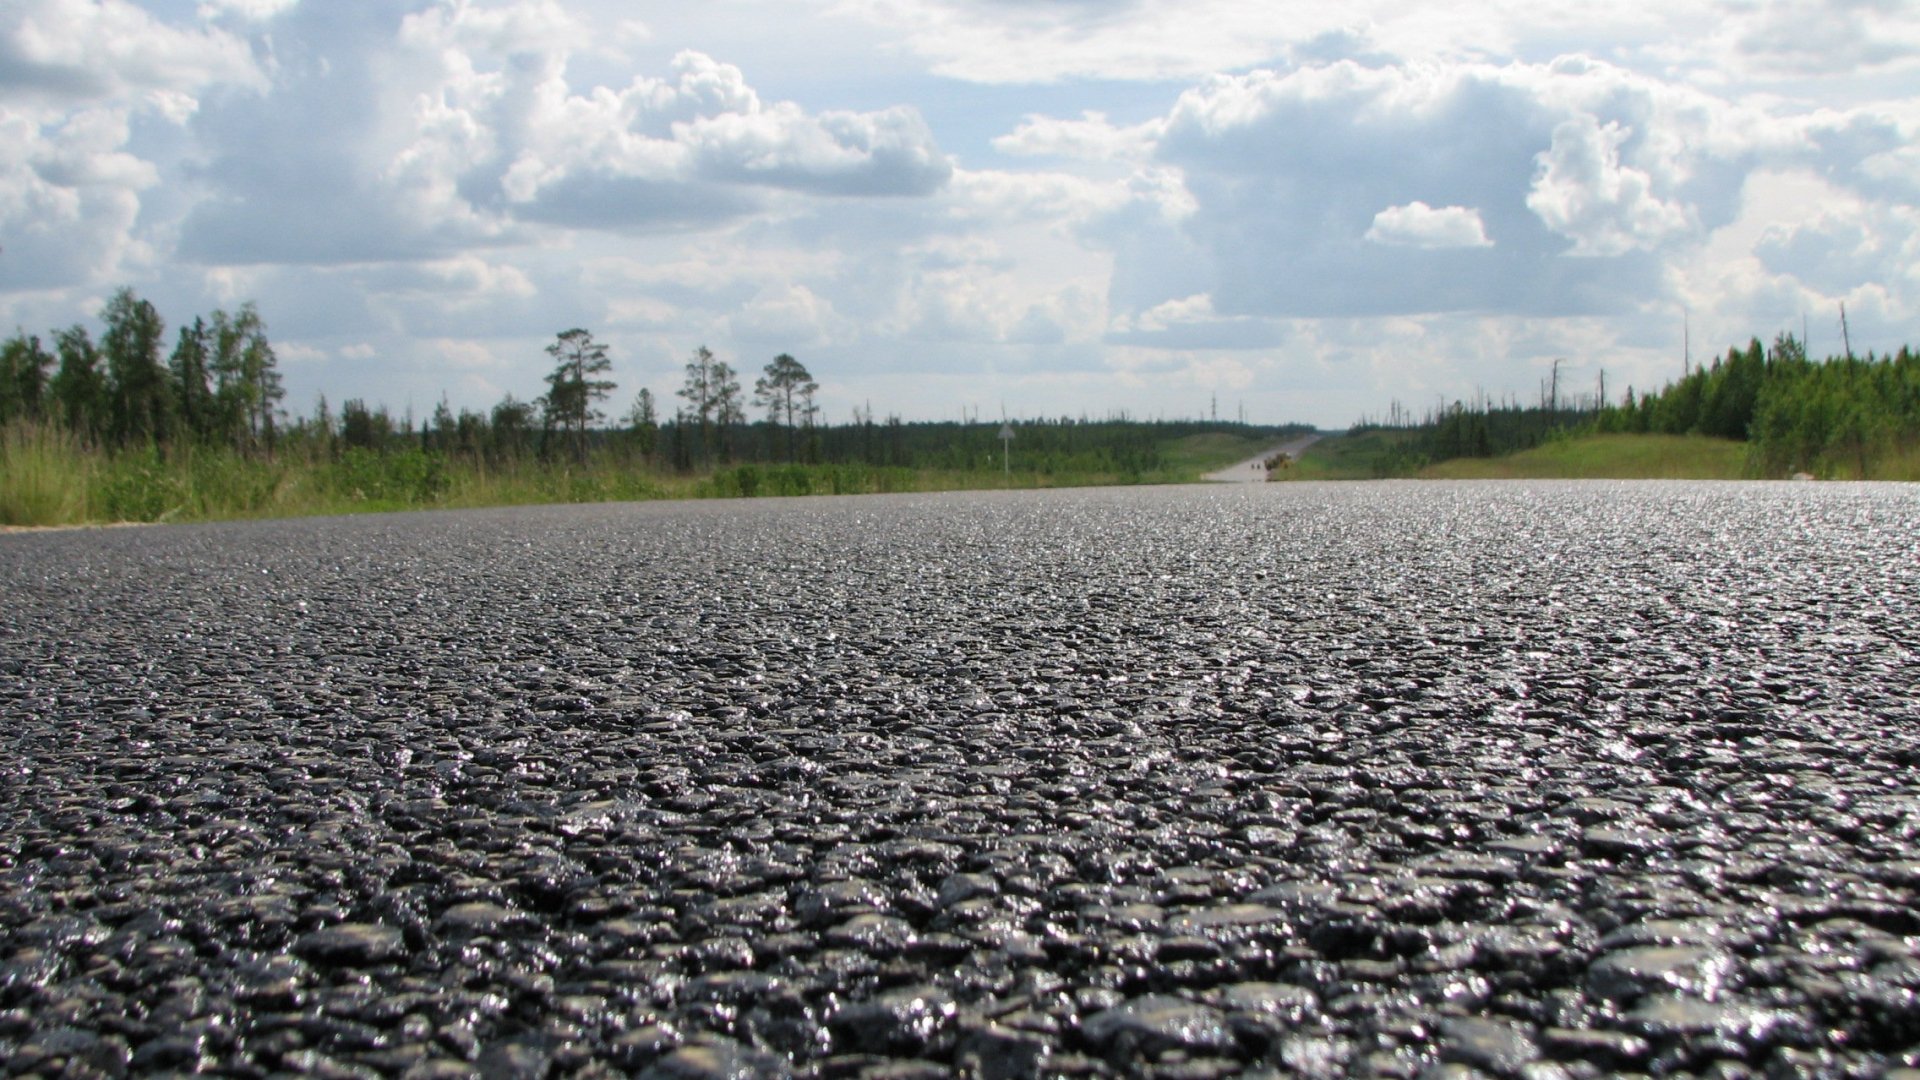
[(396, 478), (138, 485)]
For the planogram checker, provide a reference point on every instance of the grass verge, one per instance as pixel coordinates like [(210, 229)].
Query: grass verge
[(50, 478), (43, 477), (1380, 454), (1607, 457), (1370, 455)]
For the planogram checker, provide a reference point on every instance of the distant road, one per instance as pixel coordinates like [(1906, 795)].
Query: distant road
[(1254, 469)]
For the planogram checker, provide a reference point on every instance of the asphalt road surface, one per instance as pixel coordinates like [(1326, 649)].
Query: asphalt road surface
[(1518, 780), (1254, 469)]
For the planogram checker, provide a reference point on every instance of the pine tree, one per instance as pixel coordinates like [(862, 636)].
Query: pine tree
[(140, 405), (23, 378), (192, 387), (79, 386), (786, 392), (712, 394), (573, 387), (643, 423)]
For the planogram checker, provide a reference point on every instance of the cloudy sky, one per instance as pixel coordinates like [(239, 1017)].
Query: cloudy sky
[(1296, 209)]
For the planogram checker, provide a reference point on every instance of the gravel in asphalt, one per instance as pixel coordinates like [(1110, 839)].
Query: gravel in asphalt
[(1512, 780)]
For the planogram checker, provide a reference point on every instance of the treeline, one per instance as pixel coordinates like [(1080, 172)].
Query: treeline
[(682, 443), (1484, 428), (693, 440), (1126, 448), (1836, 417), (218, 386)]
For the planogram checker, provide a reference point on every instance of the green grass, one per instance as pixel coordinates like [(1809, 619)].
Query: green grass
[(43, 477), (49, 478), (747, 481), (1388, 453), (1607, 457), (1888, 460), (1370, 455), (1901, 463)]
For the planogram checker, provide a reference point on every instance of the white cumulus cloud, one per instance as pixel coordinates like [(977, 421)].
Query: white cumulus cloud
[(69, 198), (1583, 192), (1092, 137), (787, 316), (78, 51), (702, 146), (1418, 225), (257, 10), (1288, 172), (75, 77)]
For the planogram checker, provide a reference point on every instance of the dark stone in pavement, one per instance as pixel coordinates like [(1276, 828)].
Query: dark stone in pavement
[(1397, 779)]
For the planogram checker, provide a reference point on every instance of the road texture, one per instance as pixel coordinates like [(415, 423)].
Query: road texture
[(1517, 780)]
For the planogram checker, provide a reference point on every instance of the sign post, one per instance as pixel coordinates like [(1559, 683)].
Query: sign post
[(1006, 447)]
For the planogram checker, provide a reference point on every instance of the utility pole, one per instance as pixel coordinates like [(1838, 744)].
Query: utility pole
[(1553, 396)]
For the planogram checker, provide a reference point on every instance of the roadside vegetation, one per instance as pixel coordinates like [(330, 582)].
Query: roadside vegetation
[(1758, 412), (49, 476), (1603, 457), (120, 429)]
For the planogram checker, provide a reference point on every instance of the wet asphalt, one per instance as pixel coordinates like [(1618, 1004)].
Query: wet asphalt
[(1516, 780)]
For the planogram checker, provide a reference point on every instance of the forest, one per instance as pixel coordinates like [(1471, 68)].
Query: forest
[(123, 429), (1845, 417)]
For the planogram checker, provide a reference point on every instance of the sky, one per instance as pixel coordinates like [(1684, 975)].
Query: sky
[(1279, 211)]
